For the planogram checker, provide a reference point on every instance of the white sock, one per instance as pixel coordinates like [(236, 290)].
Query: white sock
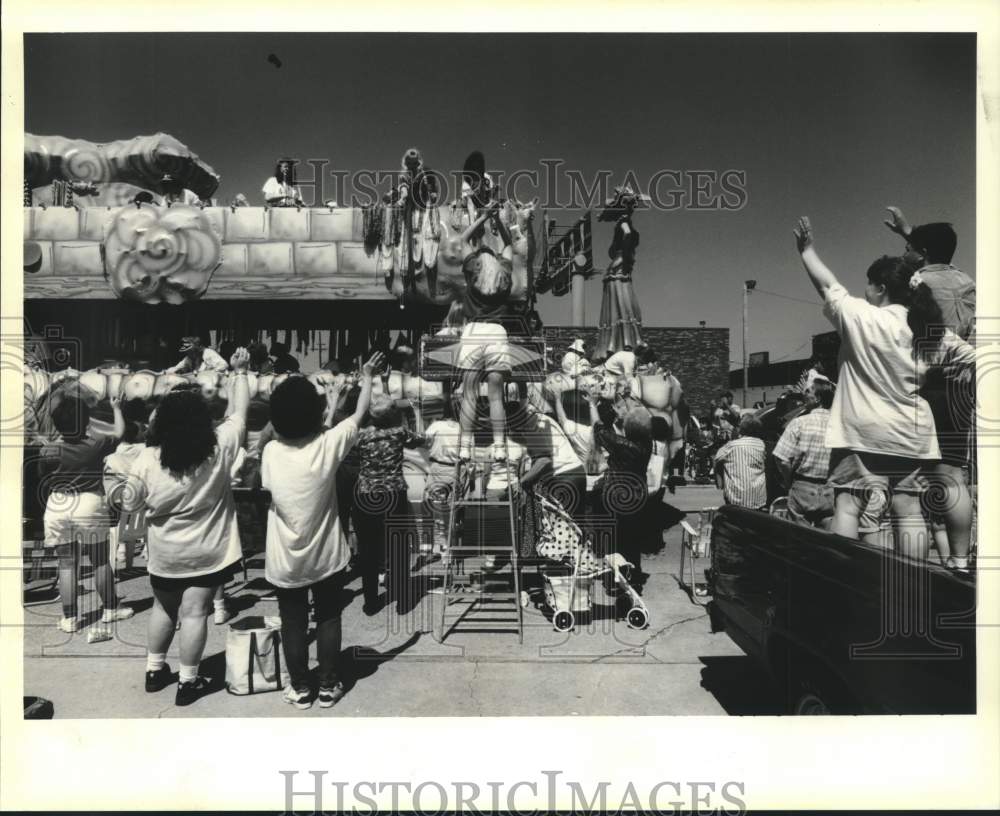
[(961, 561), (155, 662), (219, 604), (187, 674)]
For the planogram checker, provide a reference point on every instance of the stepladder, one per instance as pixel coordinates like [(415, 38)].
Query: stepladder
[(481, 564)]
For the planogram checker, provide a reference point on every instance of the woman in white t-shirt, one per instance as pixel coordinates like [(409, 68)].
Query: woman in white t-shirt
[(881, 430), (307, 552), (182, 479)]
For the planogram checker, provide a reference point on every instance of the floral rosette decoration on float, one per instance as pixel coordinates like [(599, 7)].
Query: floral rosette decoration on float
[(157, 255)]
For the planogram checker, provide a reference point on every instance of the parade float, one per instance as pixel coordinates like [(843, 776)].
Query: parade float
[(117, 269)]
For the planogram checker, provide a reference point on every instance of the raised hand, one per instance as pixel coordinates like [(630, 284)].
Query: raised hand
[(803, 234), (898, 223), (375, 362), (240, 359)]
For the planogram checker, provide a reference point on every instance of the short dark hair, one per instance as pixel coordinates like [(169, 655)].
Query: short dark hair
[(297, 409), (71, 416), (135, 412), (728, 394), (645, 355), (894, 274), (936, 242), (751, 426), (823, 391)]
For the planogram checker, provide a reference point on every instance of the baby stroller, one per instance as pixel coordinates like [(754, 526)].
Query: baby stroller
[(701, 458), (560, 541)]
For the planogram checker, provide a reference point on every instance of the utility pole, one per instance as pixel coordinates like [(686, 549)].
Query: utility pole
[(748, 287)]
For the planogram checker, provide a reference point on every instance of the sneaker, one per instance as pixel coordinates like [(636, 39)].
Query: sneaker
[(301, 699), (159, 679), (188, 692), (222, 616), (119, 613), (69, 625), (329, 697)]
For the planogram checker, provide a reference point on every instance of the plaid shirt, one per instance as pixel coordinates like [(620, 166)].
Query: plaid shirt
[(803, 445), (742, 462)]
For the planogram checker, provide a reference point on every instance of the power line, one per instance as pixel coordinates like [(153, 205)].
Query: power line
[(787, 297)]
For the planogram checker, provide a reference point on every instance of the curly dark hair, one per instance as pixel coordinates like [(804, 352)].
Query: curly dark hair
[(297, 409), (182, 429)]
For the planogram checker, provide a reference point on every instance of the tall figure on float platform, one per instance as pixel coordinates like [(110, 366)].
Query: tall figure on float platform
[(621, 319)]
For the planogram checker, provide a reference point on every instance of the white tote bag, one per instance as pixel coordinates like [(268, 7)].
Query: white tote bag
[(254, 659)]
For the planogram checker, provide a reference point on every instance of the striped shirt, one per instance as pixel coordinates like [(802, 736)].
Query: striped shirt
[(803, 445), (742, 464)]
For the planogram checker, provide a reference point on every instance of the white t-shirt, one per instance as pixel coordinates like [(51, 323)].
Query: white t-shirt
[(876, 407), (305, 543), (191, 519), (544, 437), (581, 437), (621, 364), (273, 189), (443, 441), (211, 360)]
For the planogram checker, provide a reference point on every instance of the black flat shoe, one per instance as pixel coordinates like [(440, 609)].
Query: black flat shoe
[(187, 693), (159, 679)]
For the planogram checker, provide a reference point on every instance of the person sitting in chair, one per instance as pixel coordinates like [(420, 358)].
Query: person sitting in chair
[(803, 459)]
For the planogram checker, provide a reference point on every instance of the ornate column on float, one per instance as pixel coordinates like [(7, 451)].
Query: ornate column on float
[(621, 318)]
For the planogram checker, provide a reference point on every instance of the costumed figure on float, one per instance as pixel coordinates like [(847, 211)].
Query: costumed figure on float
[(621, 318)]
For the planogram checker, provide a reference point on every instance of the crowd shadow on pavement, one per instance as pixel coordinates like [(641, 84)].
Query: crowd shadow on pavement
[(361, 662)]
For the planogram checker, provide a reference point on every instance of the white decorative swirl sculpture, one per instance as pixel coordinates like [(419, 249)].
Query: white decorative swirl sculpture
[(157, 255)]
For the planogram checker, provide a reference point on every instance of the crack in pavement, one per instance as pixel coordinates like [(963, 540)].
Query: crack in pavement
[(650, 639)]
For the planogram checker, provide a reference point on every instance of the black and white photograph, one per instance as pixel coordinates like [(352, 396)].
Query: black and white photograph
[(411, 376)]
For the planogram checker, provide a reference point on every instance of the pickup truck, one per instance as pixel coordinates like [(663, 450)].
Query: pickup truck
[(842, 627)]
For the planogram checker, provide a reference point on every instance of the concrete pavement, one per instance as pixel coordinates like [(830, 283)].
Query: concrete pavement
[(675, 666)]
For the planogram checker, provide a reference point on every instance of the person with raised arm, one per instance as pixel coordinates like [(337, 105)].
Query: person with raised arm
[(881, 431), (930, 249), (76, 519), (183, 481), (307, 552)]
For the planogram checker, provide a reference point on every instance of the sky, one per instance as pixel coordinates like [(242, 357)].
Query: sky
[(831, 126)]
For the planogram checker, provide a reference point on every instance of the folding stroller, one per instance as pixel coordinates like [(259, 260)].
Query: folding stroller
[(560, 541)]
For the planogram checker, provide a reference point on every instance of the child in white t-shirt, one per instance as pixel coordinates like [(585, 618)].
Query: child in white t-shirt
[(306, 548)]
